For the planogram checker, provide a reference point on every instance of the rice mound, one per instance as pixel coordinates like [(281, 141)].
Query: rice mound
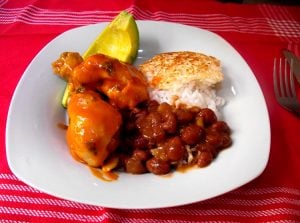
[(184, 77)]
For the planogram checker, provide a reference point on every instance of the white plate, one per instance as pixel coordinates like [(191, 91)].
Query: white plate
[(38, 155)]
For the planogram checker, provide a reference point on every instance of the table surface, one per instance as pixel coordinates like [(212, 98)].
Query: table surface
[(257, 31)]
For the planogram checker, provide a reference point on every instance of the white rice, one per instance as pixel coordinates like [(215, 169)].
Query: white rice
[(190, 95)]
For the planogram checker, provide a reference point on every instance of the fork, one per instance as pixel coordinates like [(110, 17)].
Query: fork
[(284, 86)]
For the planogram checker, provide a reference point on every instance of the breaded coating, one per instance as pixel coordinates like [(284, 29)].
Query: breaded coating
[(169, 70)]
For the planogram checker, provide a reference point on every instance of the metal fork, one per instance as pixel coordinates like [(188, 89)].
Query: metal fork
[(284, 86)]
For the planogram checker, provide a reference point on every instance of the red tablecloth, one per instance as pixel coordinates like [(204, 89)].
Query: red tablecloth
[(257, 31)]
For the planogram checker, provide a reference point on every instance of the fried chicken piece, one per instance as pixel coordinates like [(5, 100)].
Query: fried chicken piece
[(66, 63), (92, 134), (123, 84)]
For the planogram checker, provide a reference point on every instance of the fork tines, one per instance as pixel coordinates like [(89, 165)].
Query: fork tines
[(286, 87)]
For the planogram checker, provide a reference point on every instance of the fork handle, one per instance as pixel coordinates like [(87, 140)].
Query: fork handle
[(296, 111)]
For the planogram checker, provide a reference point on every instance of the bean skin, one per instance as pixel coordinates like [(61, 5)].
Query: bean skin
[(204, 159), (142, 155), (135, 166), (150, 127), (195, 109), (208, 116), (174, 149), (164, 107), (214, 140), (152, 105), (169, 122), (226, 141), (220, 127), (140, 142), (219, 141), (192, 134), (157, 166), (201, 147), (184, 116)]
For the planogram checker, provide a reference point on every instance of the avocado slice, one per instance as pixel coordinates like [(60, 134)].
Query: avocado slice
[(65, 98)]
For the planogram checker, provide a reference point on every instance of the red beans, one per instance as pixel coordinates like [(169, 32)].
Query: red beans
[(214, 140), (164, 107), (184, 116), (192, 134), (141, 155), (218, 141), (204, 158), (140, 142), (158, 166), (220, 127), (208, 116), (159, 138), (169, 123), (174, 148), (135, 166), (150, 127), (225, 141), (201, 147), (152, 105)]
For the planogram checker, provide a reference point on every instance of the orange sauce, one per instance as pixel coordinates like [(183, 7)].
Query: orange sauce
[(62, 126), (93, 124), (103, 175), (185, 168)]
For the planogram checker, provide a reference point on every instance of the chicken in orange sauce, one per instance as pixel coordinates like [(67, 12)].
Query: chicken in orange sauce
[(123, 84), (92, 134), (65, 64)]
